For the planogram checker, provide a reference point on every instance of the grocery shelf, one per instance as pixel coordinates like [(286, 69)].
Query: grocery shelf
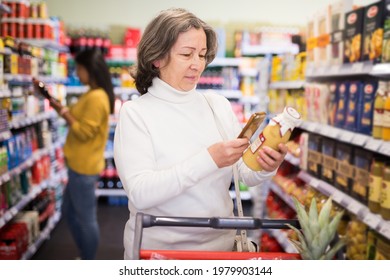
[(358, 139), (287, 85), (292, 159), (44, 235), (5, 135), (281, 194), (5, 93), (47, 44), (283, 240), (249, 72), (26, 121), (361, 211), (110, 192), (76, 90), (23, 79), (225, 62)]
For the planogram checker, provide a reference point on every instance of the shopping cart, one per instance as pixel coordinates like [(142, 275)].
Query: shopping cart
[(144, 221)]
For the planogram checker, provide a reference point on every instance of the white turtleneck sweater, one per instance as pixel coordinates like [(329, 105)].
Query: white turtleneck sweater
[(161, 155)]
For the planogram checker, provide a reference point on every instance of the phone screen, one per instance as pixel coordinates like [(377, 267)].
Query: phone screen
[(252, 125)]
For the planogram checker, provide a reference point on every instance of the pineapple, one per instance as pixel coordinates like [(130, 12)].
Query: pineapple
[(317, 231)]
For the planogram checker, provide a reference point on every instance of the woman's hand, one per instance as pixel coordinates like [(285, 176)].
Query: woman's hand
[(269, 159), (227, 153), (56, 105)]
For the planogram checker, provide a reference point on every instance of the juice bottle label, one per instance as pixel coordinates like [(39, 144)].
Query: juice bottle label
[(385, 195), (386, 119), (375, 188), (378, 117)]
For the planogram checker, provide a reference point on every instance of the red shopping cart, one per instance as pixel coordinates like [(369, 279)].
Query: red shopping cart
[(145, 221)]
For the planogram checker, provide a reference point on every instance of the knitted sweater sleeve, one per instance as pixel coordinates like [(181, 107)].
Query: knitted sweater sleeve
[(146, 185)]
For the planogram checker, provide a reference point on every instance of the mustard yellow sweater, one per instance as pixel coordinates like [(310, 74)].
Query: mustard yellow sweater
[(87, 137)]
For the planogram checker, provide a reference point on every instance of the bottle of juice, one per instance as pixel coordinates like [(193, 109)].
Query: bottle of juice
[(385, 194), (375, 185), (379, 104), (277, 131), (386, 119)]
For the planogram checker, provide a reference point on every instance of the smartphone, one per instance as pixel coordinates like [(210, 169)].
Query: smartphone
[(41, 88), (252, 125)]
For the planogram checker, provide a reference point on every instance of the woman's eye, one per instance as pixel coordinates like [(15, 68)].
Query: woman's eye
[(202, 56), (186, 54)]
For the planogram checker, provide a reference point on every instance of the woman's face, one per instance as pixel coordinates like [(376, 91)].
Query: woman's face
[(186, 61), (82, 73)]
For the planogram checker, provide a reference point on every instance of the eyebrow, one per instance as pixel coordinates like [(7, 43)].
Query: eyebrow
[(192, 48)]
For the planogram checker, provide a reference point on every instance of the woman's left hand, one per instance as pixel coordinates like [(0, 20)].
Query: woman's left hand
[(269, 159)]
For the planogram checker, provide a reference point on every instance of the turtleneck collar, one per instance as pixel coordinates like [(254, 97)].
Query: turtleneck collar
[(164, 91)]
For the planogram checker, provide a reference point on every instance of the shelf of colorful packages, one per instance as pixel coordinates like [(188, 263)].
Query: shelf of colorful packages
[(287, 85)]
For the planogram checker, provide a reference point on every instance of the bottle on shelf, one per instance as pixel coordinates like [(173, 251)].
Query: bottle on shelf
[(386, 119), (385, 194), (379, 104), (375, 185), (277, 131)]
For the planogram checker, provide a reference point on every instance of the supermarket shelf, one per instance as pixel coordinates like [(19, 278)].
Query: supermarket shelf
[(75, 90), (234, 94), (292, 159), (110, 192), (47, 44), (349, 69), (249, 72), (35, 190), (5, 93), (364, 141), (5, 135), (287, 85), (26, 121), (361, 211), (248, 50), (281, 193), (283, 240), (45, 234), (23, 79), (245, 195), (225, 62)]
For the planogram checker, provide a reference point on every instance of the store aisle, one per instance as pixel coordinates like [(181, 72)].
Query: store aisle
[(112, 219)]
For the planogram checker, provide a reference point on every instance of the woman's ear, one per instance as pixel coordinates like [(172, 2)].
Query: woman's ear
[(156, 64)]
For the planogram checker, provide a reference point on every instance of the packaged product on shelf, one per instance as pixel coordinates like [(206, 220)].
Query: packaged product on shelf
[(386, 119), (356, 240), (379, 104), (322, 52), (343, 96), (338, 10), (385, 193), (309, 97), (323, 100), (332, 105), (355, 90), (328, 150), (382, 248), (360, 185), (311, 43), (314, 159), (344, 171), (373, 31), (365, 107), (304, 148), (375, 185), (353, 35), (386, 33)]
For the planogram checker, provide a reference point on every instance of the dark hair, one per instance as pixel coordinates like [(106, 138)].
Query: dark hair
[(159, 37), (93, 61)]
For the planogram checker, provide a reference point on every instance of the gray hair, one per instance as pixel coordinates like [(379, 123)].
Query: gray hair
[(159, 37)]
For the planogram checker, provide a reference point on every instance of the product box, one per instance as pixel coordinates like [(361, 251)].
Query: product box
[(314, 159), (324, 101), (386, 33), (338, 10), (311, 43), (322, 51), (353, 35), (344, 170), (373, 31), (360, 185), (304, 147), (333, 101), (355, 90), (329, 162), (365, 108), (342, 104)]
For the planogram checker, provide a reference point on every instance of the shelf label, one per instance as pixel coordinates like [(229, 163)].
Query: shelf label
[(314, 183), (320, 71), (332, 132), (334, 69), (385, 148), (346, 136), (385, 230), (357, 67), (359, 139), (13, 211), (338, 196), (312, 127), (355, 207), (8, 216), (373, 144), (371, 220), (2, 222)]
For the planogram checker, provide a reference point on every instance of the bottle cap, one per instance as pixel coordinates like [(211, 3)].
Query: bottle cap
[(292, 115), (288, 120)]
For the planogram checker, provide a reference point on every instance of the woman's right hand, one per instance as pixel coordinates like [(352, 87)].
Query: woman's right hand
[(227, 153)]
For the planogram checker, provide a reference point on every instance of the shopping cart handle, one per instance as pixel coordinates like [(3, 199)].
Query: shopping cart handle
[(218, 223)]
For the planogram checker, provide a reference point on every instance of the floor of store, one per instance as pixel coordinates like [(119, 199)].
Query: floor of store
[(112, 219)]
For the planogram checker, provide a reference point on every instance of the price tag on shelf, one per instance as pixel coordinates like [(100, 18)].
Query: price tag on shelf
[(357, 67), (354, 207), (373, 145), (314, 183), (346, 136), (2, 222), (332, 132), (13, 211), (385, 148), (371, 220), (312, 127), (7, 216), (385, 230), (334, 70), (360, 139), (338, 196)]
